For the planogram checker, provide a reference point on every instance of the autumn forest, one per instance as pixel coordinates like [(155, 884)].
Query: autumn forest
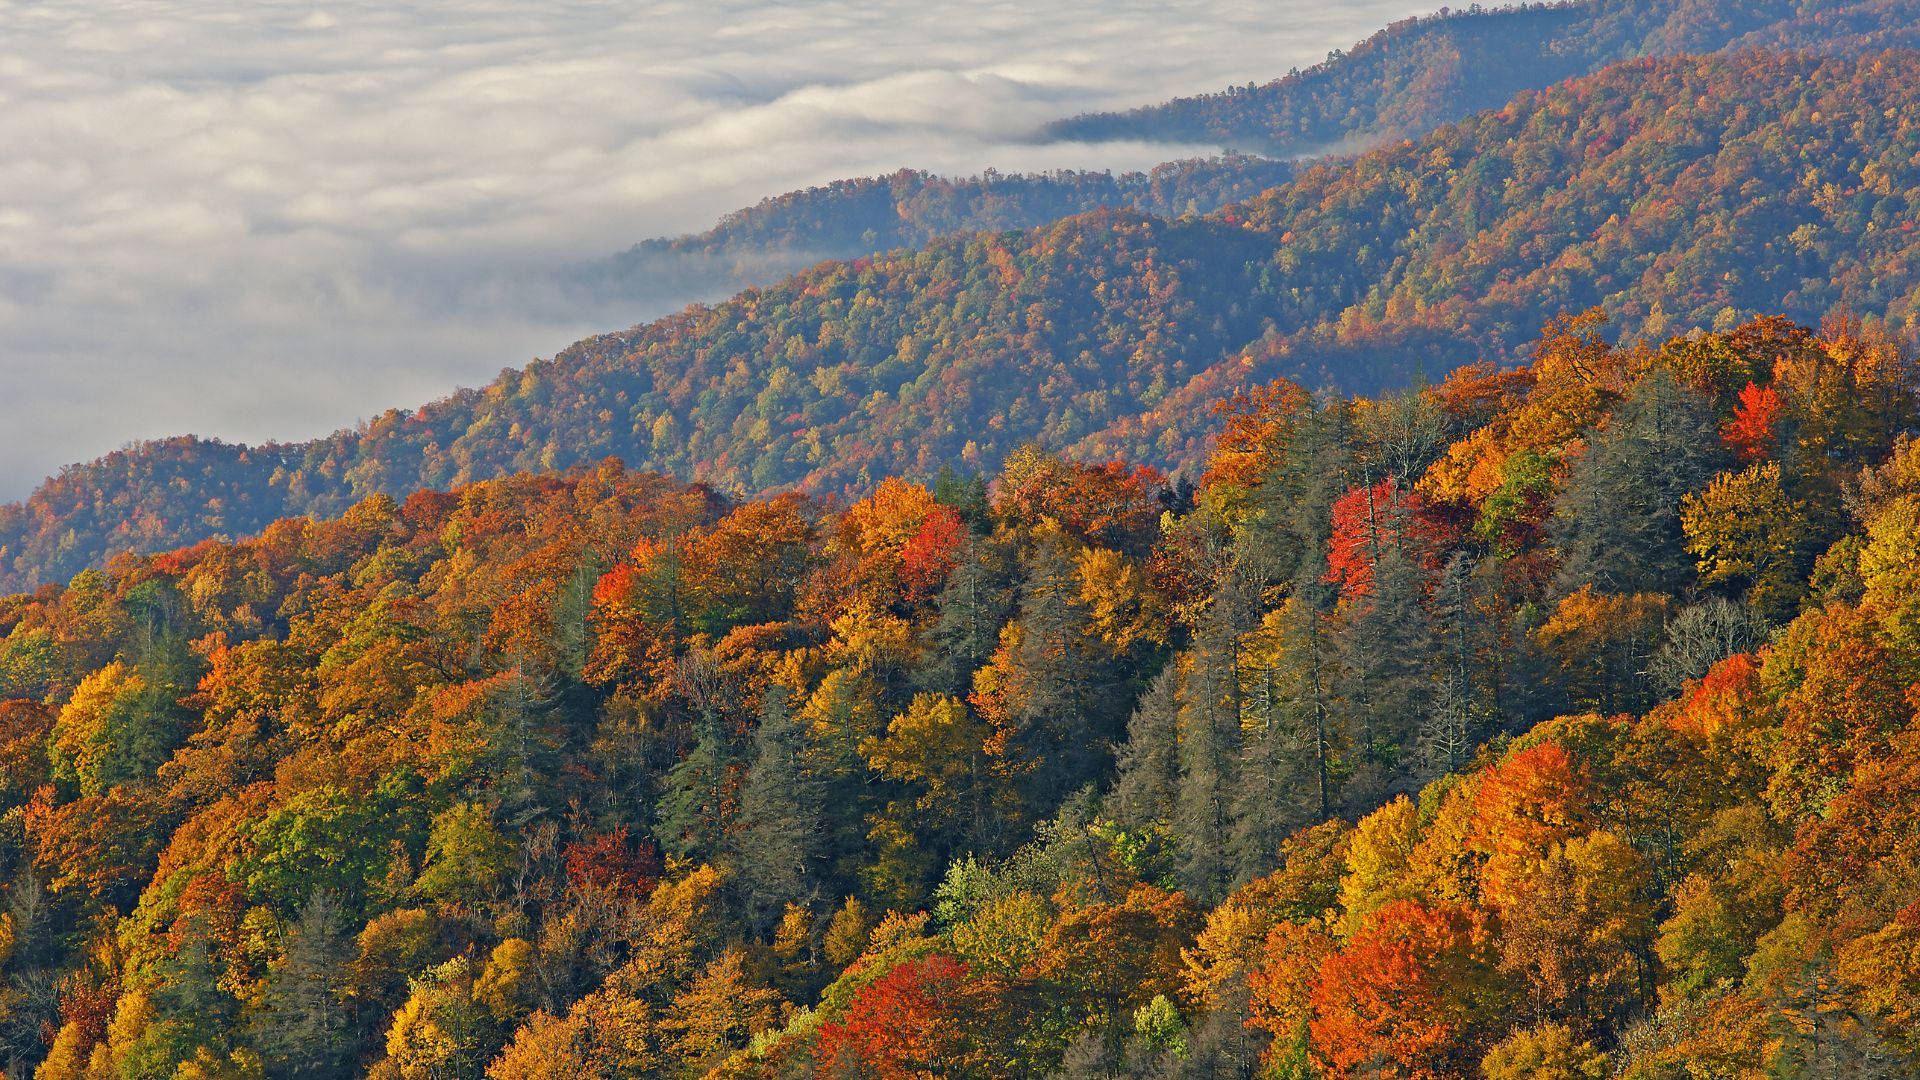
[(1451, 610)]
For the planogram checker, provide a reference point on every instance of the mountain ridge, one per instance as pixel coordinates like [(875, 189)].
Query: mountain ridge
[(1109, 316)]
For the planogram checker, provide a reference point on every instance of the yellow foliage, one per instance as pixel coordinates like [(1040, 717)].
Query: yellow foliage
[(882, 523), (1120, 602), (1377, 861), (604, 1034), (1004, 934), (1228, 945), (1443, 865), (866, 639), (1547, 1052), (719, 1012), (67, 1057), (1884, 967), (506, 986), (935, 742), (85, 742), (1890, 570), (1746, 528)]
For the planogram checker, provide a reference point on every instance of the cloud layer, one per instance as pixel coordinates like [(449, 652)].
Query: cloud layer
[(265, 220)]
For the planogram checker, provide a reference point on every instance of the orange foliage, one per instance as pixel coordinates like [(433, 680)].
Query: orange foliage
[(1725, 697), (1254, 421), (1410, 993), (1111, 505), (1525, 804)]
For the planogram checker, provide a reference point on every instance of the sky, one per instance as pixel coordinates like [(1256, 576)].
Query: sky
[(268, 220)]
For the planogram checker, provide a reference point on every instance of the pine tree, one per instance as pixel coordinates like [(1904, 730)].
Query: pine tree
[(303, 1025), (776, 849), (1385, 643), (572, 614), (1148, 777), (1070, 700), (1292, 507), (1210, 706), (692, 810), (973, 604), (1305, 673), (696, 808), (1617, 522)]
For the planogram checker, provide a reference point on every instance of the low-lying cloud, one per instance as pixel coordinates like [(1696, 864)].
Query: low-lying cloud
[(265, 220)]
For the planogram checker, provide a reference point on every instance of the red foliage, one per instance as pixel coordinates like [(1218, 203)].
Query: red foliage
[(899, 1027), (610, 860), (933, 551), (1367, 520), (1751, 431)]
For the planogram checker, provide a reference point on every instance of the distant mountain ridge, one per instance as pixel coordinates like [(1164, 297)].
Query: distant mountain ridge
[(1420, 73), (909, 208)]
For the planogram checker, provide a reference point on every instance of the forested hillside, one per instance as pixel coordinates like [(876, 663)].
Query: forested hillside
[(1420, 73), (1551, 722), (1674, 194), (851, 218), (1405, 81)]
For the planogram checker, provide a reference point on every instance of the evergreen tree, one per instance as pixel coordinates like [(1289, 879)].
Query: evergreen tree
[(1072, 693), (693, 807), (1617, 522), (1305, 672), (973, 605), (1210, 743), (1292, 514), (776, 849), (1285, 771), (1456, 719), (1148, 778), (303, 1026), (572, 615), (1385, 643), (966, 493)]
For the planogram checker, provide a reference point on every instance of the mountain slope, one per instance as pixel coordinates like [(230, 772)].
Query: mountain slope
[(1676, 194), (1476, 732), (850, 218), (1420, 73)]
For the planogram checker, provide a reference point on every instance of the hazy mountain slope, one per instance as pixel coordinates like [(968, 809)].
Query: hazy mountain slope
[(1420, 73), (850, 218), (1677, 193)]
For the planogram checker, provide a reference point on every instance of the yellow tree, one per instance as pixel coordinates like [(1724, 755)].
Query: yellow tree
[(718, 1013), (1746, 530)]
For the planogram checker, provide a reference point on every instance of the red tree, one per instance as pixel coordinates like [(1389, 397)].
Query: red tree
[(933, 551), (900, 1026), (1751, 430)]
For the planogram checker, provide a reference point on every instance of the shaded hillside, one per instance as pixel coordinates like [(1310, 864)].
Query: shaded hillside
[(1676, 194), (850, 218), (1420, 73)]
